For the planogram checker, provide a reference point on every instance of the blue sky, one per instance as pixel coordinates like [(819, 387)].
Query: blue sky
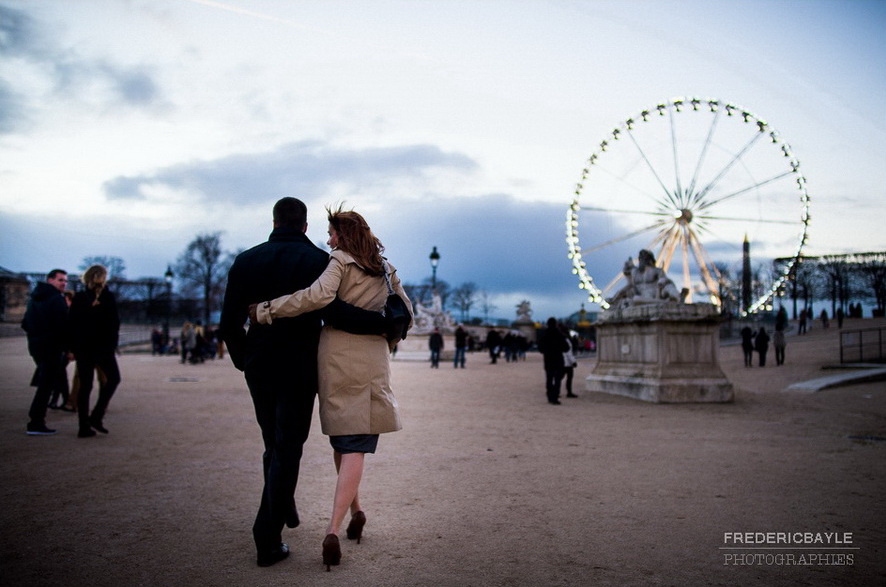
[(126, 128)]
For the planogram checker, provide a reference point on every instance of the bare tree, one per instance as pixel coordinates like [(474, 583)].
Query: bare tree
[(835, 271), (203, 268), (872, 273), (464, 297), (115, 265), (486, 305), (423, 294), (728, 289)]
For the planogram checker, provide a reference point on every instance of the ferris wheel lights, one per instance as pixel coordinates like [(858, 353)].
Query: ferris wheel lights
[(674, 105)]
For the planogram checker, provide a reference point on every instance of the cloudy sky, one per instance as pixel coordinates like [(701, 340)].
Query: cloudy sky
[(128, 127)]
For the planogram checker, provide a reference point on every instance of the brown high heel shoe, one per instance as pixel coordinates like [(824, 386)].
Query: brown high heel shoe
[(355, 528), (331, 551)]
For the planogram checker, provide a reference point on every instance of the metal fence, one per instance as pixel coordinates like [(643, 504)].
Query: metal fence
[(862, 346)]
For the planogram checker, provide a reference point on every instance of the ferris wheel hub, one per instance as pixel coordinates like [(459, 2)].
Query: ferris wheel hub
[(684, 216)]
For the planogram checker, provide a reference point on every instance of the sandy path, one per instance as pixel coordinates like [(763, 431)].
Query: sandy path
[(486, 485)]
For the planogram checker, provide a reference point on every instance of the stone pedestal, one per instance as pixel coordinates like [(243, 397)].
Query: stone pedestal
[(417, 344), (527, 329), (662, 353)]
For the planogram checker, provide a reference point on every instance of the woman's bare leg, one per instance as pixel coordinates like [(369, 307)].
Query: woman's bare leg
[(350, 471)]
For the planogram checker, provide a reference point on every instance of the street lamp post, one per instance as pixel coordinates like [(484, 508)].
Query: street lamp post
[(168, 277), (435, 260)]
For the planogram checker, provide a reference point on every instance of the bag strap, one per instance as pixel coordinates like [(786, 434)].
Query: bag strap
[(388, 277)]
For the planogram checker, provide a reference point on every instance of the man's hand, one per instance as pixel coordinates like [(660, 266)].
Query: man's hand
[(253, 313)]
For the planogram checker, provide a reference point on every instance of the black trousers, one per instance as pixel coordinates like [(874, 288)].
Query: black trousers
[(553, 380), (284, 403), (86, 364), (48, 374), (779, 355)]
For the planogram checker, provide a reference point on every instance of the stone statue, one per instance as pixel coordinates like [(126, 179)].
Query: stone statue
[(646, 283), (426, 319), (524, 312)]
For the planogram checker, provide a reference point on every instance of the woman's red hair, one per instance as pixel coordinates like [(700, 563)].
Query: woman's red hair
[(356, 238)]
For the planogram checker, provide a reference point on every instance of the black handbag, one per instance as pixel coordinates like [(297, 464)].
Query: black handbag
[(396, 312)]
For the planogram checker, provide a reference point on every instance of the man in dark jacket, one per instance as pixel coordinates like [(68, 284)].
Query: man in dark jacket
[(45, 322), (435, 343), (280, 360), (552, 345)]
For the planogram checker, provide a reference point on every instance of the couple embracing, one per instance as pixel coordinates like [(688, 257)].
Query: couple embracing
[(315, 328)]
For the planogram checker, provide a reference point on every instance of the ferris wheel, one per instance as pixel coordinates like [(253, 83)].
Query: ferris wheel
[(690, 180)]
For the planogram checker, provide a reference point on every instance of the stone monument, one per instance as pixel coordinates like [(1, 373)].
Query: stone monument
[(654, 347), (524, 324), (426, 319), (429, 318)]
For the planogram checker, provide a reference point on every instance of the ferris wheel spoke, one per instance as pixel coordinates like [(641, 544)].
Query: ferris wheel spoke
[(699, 197), (621, 179), (684, 245), (704, 151), (669, 241), (679, 185), (705, 264), (611, 285), (706, 204), (640, 212), (739, 219), (622, 238), (667, 192)]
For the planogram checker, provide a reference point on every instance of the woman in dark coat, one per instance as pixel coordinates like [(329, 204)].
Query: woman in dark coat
[(94, 330)]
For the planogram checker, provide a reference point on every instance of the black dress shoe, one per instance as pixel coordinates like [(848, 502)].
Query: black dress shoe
[(85, 433), (292, 520), (97, 424), (275, 555)]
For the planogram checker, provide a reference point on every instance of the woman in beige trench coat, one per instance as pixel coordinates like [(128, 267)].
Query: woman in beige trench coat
[(356, 402)]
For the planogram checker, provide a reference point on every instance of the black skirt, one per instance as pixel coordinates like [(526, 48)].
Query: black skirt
[(352, 443)]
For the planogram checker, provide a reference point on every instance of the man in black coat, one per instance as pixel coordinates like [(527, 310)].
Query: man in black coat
[(280, 360), (45, 322), (552, 344)]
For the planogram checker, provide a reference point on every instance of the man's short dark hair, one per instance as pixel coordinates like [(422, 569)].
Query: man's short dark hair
[(54, 272), (290, 213)]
